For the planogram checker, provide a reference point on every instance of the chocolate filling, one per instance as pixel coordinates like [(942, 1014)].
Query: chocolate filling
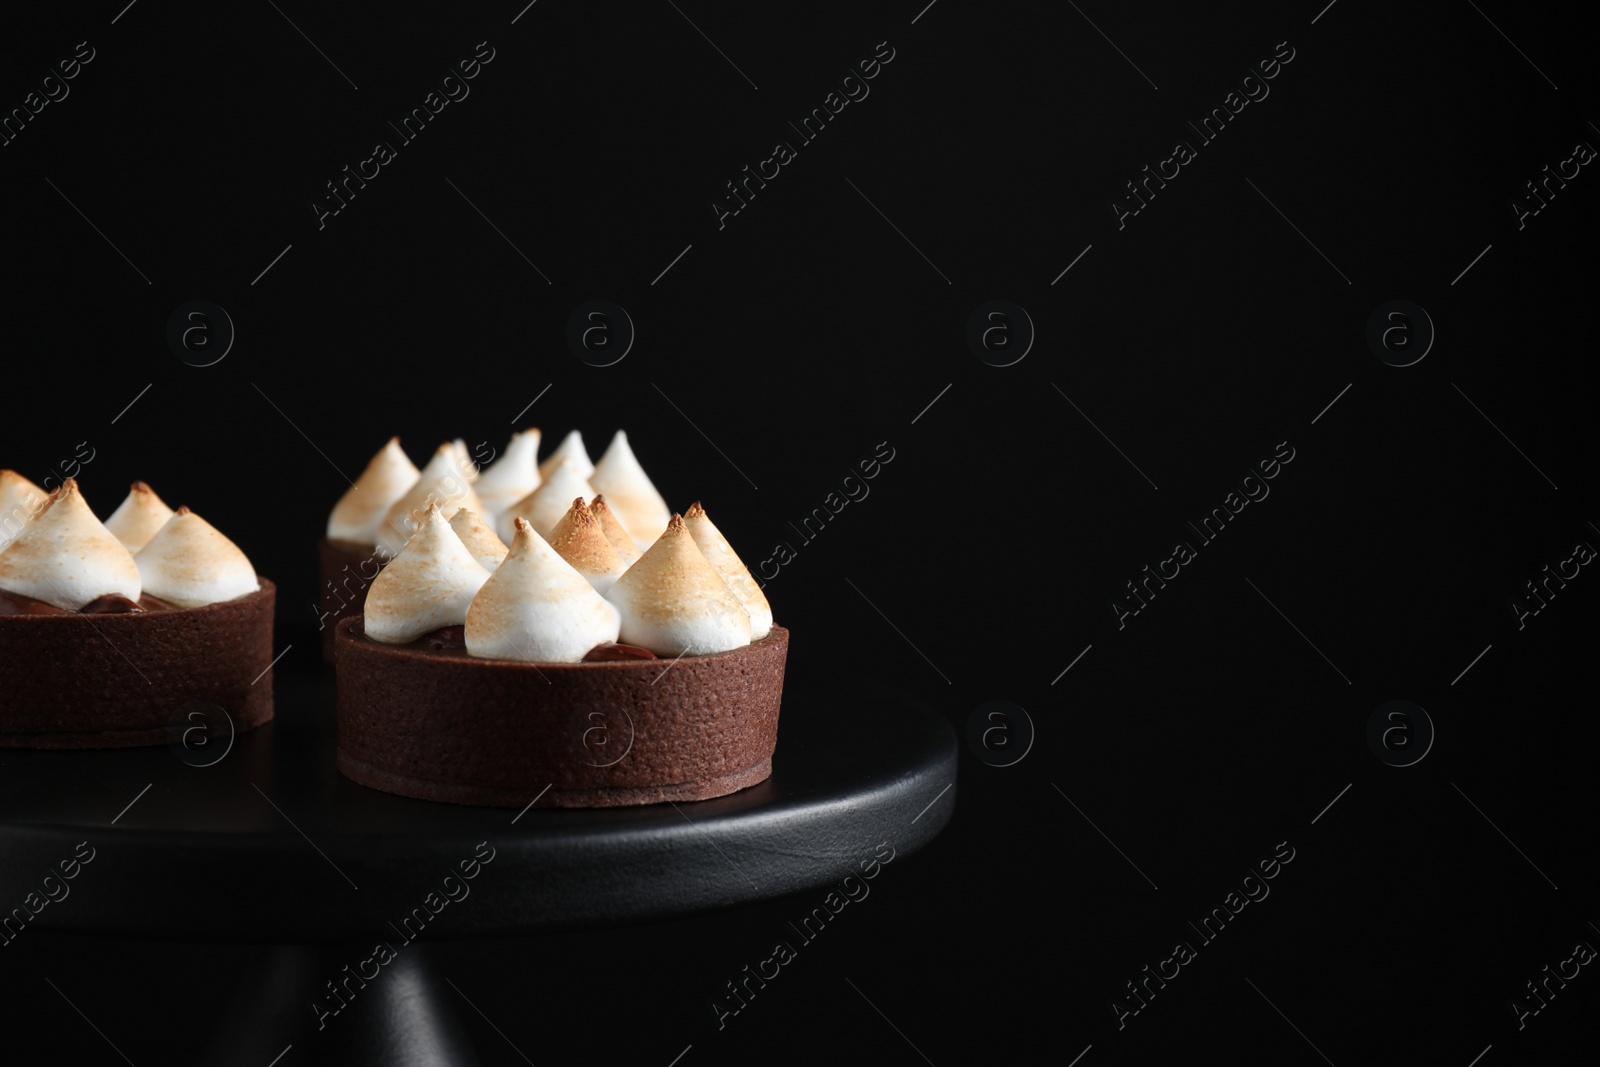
[(110, 604), (453, 639), (615, 651), (443, 638)]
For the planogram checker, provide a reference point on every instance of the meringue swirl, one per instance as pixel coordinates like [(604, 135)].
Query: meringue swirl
[(443, 482), (579, 540), (485, 546), (190, 563), (66, 557), (428, 586), (615, 532), (673, 602), (570, 449), (735, 575), (20, 501), (536, 608), (630, 493), (360, 511), (139, 517), (511, 477), (545, 506), (540, 564)]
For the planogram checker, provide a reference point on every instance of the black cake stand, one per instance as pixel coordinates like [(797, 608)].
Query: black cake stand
[(259, 839)]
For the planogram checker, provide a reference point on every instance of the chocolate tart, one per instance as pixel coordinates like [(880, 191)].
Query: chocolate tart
[(122, 680), (347, 570), (438, 724)]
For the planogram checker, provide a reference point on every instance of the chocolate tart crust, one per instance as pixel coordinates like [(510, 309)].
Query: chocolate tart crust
[(445, 726), (121, 681), (346, 571)]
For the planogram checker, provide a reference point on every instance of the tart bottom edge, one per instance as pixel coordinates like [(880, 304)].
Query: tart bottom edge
[(517, 796), (249, 719)]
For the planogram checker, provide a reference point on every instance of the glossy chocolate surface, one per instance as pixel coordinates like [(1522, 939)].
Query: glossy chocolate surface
[(452, 640), (110, 604)]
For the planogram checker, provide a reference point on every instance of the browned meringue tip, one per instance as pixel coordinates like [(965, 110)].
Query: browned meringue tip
[(479, 537), (23, 491), (61, 492), (695, 511), (614, 531), (140, 487), (579, 539), (182, 509), (676, 522), (523, 538)]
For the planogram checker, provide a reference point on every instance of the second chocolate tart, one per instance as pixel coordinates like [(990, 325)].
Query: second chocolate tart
[(124, 680)]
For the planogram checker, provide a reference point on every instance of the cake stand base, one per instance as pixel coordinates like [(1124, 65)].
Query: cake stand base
[(404, 1016), (266, 843)]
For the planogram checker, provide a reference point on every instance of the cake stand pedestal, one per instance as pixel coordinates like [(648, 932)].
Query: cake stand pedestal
[(267, 843)]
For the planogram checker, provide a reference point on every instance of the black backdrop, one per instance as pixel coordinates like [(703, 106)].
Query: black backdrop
[(1184, 344)]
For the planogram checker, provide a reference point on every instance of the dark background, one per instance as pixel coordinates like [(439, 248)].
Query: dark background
[(809, 330)]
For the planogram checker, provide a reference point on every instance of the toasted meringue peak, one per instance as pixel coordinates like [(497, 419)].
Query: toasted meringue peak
[(630, 493), (190, 563), (571, 449), (545, 506), (673, 602), (441, 482), (615, 532), (66, 557), (429, 585), (468, 465), (479, 537), (579, 540), (359, 513), (511, 477), (20, 501), (139, 517), (730, 568), (537, 608)]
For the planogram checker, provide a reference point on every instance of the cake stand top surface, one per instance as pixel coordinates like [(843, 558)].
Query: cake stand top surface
[(270, 843)]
